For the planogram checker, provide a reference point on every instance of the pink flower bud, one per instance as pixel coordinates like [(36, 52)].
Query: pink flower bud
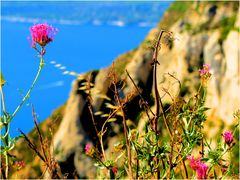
[(87, 148), (202, 171), (228, 137), (205, 71), (114, 169)]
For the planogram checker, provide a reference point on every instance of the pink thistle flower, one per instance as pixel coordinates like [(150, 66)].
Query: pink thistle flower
[(199, 167), (228, 137), (114, 170), (42, 34), (205, 71), (87, 148), (202, 171), (194, 163)]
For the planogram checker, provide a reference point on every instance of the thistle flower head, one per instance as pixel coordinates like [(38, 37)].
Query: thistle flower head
[(194, 163), (42, 34), (199, 167), (202, 171), (205, 74), (228, 137)]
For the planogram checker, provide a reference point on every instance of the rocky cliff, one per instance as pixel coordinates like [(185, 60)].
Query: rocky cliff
[(202, 32)]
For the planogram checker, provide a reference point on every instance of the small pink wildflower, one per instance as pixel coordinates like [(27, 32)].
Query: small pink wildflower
[(205, 71), (114, 169), (228, 137), (88, 148), (202, 171), (19, 164), (194, 163), (199, 167), (42, 34)]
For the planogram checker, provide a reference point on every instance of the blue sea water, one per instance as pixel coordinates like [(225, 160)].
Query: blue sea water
[(78, 47)]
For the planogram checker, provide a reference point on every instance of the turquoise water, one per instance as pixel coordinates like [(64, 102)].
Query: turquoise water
[(77, 47)]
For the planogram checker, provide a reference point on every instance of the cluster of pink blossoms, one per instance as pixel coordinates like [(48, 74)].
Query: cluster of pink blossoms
[(19, 164), (228, 137), (42, 34), (88, 148), (205, 71), (199, 167)]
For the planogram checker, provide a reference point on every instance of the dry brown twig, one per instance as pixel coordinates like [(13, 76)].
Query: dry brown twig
[(47, 158), (120, 104)]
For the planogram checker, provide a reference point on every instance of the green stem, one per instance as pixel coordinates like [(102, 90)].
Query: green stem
[(6, 135), (3, 101), (204, 95), (7, 166), (26, 97)]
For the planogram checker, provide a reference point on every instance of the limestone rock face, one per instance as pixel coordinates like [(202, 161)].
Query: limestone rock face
[(230, 85), (213, 56), (223, 96), (71, 138), (65, 140)]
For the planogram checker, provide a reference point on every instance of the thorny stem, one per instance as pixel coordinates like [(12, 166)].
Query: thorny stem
[(158, 98), (125, 129), (99, 160), (181, 160), (3, 101), (32, 146), (170, 160), (137, 169), (92, 117), (154, 122), (137, 163), (101, 133), (185, 169), (159, 105), (127, 140), (49, 162), (201, 103), (139, 93), (39, 133), (90, 108), (202, 151)]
